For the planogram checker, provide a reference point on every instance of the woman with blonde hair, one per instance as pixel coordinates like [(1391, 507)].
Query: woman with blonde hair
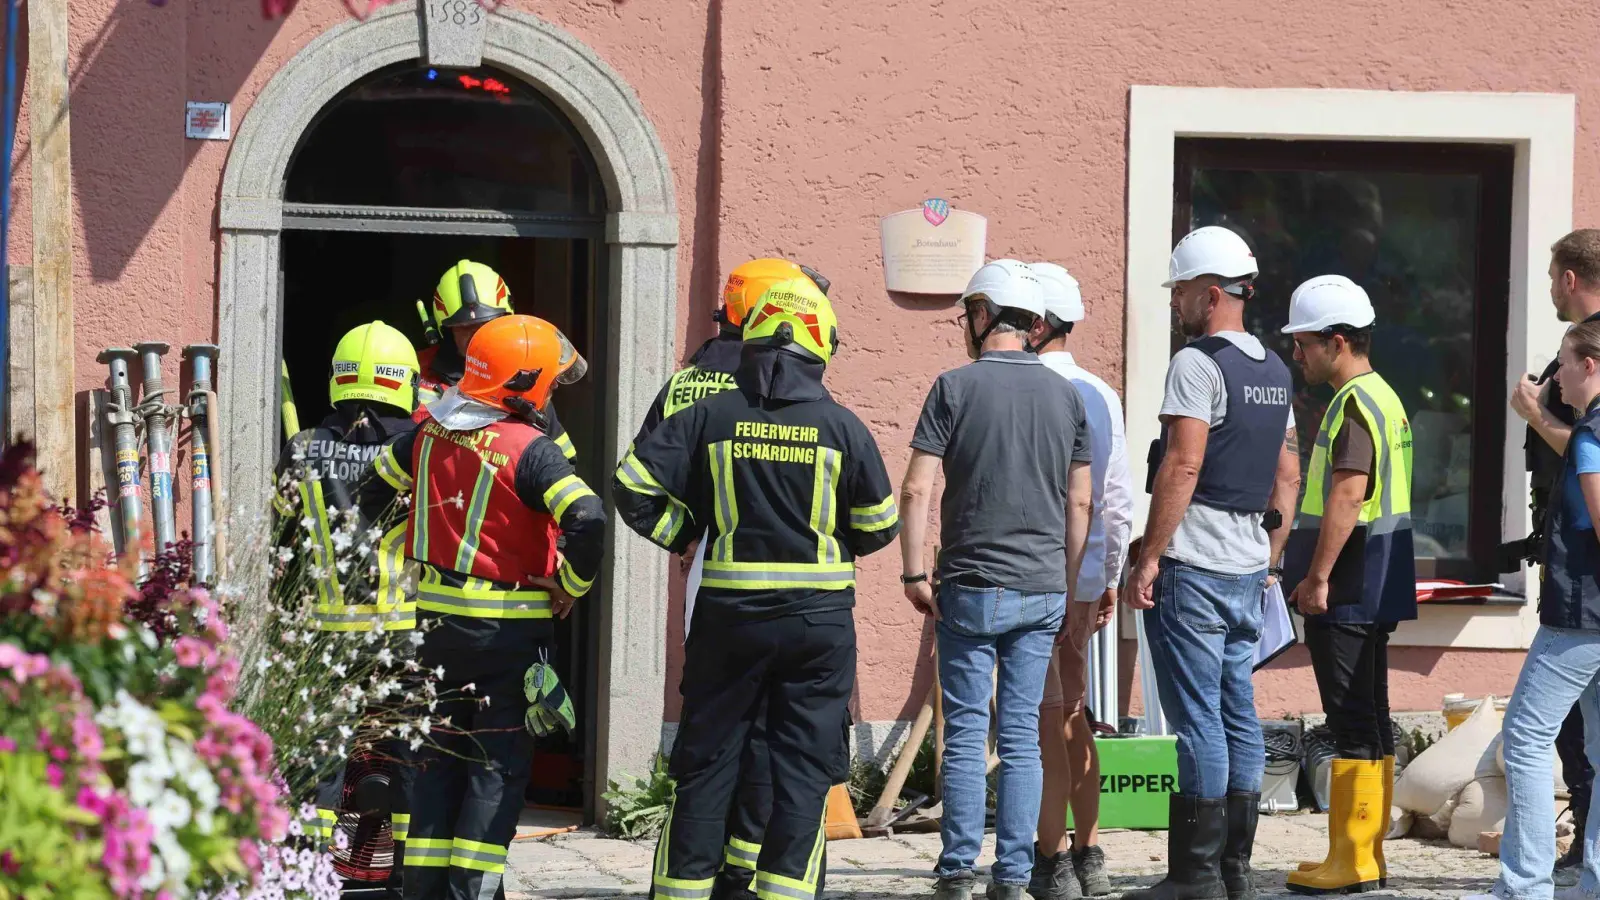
[(1563, 664)]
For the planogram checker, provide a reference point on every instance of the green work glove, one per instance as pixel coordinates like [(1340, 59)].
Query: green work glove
[(549, 706)]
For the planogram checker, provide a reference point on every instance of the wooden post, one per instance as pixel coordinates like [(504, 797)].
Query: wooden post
[(50, 132)]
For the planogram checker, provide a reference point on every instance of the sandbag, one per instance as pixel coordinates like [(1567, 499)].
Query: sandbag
[(1439, 774), (1481, 807), (1435, 827), (1399, 823)]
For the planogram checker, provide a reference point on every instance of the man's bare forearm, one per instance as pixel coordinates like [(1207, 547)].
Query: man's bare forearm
[(915, 500), (1174, 487), (1339, 517), (1080, 503), (1552, 430), (1285, 491)]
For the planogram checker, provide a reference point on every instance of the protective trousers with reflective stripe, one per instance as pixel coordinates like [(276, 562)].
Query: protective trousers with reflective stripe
[(1374, 577), (747, 821), (803, 666), (469, 790)]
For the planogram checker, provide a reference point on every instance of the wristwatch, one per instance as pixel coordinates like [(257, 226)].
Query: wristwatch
[(1275, 572), (914, 579)]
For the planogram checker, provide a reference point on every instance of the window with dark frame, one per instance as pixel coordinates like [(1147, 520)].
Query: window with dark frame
[(1425, 229)]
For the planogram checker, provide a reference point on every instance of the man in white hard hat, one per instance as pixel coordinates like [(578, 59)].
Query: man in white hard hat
[(1225, 474), (1066, 739), (1013, 439), (1352, 571)]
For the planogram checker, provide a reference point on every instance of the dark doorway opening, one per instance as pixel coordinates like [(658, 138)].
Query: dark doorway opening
[(402, 176)]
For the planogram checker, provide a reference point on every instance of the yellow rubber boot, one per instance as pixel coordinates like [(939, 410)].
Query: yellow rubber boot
[(1388, 819), (1388, 809), (1355, 828)]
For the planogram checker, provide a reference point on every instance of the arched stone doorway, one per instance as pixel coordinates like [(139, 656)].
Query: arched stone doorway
[(640, 235)]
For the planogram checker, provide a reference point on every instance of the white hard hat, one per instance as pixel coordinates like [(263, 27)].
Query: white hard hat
[(1062, 298), (1010, 284), (1328, 300), (1212, 250)]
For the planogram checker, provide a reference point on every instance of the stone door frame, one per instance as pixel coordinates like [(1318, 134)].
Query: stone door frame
[(641, 234)]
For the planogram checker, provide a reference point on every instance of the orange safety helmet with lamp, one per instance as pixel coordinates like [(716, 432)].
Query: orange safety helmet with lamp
[(491, 495)]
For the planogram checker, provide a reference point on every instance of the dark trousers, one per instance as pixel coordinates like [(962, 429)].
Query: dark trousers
[(1575, 768), (803, 668), (469, 789), (1351, 663), (747, 823)]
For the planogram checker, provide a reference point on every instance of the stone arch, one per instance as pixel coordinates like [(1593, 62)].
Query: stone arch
[(641, 285)]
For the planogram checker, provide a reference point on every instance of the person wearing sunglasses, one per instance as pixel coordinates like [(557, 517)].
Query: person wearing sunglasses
[(1352, 571)]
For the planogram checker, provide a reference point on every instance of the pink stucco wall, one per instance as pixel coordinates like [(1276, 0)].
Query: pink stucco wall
[(792, 126)]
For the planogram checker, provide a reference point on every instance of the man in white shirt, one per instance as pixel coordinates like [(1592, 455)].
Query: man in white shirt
[(1066, 740)]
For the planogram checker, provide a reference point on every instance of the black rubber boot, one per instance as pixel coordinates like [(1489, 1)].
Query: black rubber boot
[(1196, 831), (1243, 811)]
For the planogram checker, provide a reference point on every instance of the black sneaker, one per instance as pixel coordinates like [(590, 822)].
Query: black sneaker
[(1090, 865), (1053, 877), (955, 887)]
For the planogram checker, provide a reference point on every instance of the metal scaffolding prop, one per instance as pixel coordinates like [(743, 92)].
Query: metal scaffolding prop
[(200, 357), (153, 425)]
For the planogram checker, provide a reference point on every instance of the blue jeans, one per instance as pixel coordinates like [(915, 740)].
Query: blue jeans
[(980, 628), (1562, 666), (1203, 632)]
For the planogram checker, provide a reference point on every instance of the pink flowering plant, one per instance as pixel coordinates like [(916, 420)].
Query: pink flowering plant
[(126, 767)]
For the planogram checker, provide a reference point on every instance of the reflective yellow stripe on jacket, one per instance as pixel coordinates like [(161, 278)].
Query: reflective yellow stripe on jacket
[(635, 477), (389, 604), (876, 517), (479, 598), (830, 572), (565, 444)]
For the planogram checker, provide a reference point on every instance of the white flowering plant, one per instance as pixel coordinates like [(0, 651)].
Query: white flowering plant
[(324, 694)]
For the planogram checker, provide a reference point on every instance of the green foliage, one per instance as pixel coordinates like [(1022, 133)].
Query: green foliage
[(47, 853), (639, 811), (1415, 741), (866, 782)]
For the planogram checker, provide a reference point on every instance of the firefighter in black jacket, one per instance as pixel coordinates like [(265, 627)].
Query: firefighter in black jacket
[(492, 494), (326, 473), (709, 372), (789, 489)]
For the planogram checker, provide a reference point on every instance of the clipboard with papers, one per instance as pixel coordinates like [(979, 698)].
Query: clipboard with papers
[(1277, 627)]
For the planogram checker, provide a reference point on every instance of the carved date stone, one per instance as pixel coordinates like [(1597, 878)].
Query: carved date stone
[(454, 31)]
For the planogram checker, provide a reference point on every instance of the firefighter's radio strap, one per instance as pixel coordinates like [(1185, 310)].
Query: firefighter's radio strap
[(550, 707)]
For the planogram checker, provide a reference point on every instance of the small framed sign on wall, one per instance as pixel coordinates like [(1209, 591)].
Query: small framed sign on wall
[(932, 250), (206, 121)]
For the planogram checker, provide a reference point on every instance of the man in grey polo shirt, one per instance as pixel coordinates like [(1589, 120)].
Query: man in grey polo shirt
[(1012, 436)]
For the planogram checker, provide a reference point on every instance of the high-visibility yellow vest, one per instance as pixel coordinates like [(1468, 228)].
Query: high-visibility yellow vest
[(1374, 578)]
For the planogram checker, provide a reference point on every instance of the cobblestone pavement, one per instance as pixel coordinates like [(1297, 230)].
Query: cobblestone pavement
[(583, 864)]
